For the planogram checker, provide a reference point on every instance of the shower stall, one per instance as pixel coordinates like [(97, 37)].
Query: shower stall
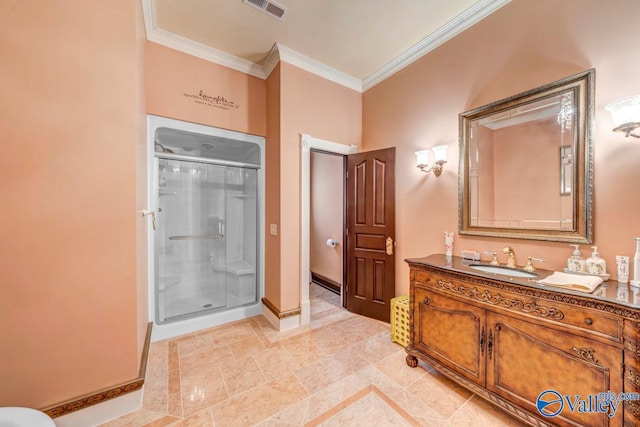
[(207, 186)]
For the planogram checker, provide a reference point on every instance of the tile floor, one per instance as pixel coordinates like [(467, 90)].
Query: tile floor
[(343, 370)]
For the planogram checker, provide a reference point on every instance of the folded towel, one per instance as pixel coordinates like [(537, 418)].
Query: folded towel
[(572, 281)]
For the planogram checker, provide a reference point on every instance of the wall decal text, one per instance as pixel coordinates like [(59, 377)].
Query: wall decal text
[(212, 101)]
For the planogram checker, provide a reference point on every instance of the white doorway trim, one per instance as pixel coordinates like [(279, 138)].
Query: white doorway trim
[(307, 143)]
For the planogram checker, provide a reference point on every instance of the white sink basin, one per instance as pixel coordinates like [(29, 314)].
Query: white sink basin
[(505, 271)]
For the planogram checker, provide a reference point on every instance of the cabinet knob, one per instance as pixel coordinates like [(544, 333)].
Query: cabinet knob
[(588, 321)]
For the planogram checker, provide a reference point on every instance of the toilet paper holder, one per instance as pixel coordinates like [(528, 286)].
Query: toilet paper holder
[(332, 243)]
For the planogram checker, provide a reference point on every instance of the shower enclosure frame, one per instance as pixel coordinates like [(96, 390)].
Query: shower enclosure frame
[(206, 320)]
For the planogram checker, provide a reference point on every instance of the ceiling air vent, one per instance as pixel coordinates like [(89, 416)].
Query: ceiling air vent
[(269, 7)]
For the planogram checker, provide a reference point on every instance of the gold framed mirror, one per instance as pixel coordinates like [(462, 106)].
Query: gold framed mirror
[(526, 164)]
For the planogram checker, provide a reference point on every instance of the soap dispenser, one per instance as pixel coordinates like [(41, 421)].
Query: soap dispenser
[(595, 264), (636, 264), (576, 262)]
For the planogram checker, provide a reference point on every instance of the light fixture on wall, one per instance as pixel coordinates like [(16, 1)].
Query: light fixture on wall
[(423, 159), (625, 114)]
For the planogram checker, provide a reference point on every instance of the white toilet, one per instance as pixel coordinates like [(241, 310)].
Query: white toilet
[(13, 416)]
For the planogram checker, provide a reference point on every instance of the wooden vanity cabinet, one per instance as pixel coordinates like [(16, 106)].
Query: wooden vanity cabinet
[(438, 318), (509, 347), (527, 359)]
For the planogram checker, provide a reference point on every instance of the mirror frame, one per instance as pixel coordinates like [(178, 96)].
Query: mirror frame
[(582, 85)]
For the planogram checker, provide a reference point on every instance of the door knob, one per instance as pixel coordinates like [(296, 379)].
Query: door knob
[(389, 246)]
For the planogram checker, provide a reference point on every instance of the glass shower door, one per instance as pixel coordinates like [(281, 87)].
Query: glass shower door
[(242, 235), (190, 240)]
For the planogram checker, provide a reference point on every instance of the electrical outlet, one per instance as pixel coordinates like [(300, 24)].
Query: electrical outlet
[(274, 229)]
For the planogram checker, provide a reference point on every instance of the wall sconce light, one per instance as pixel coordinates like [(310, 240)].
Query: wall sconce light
[(423, 159), (625, 114)]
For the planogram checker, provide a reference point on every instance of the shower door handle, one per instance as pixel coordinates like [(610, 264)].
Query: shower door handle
[(153, 217), (202, 236)]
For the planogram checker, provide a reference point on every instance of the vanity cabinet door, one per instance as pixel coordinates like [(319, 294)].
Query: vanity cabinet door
[(524, 359), (451, 331)]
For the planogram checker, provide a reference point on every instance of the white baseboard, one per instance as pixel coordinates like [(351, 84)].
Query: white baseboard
[(305, 313), (284, 324), (102, 412)]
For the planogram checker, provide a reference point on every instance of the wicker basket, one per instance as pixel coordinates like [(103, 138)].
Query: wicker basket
[(400, 320)]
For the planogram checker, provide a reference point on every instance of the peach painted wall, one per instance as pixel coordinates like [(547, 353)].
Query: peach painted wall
[(523, 45), (272, 258), (326, 215), (142, 226), (69, 312), (322, 109), (177, 86)]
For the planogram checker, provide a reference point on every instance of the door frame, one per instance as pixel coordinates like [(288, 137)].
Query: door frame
[(306, 144)]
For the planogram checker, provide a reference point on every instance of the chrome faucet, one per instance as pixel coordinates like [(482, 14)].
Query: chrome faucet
[(511, 256)]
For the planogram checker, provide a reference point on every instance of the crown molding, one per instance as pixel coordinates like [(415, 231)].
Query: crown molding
[(191, 47), (271, 60), (279, 52), (309, 64), (466, 19)]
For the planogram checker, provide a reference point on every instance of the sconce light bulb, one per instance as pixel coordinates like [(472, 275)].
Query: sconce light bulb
[(440, 153), (625, 114), (423, 159)]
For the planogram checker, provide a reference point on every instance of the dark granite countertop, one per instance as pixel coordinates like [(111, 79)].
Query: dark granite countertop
[(611, 291)]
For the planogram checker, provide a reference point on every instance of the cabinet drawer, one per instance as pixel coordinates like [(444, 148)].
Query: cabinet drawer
[(577, 319), (421, 276), (591, 321)]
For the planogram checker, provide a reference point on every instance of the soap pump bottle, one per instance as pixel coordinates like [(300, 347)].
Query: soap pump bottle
[(576, 262), (636, 264), (595, 264)]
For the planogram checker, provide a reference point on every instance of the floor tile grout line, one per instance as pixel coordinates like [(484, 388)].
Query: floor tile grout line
[(179, 369), (166, 383), (224, 382), (337, 408), (304, 417), (259, 367), (423, 373), (213, 418), (180, 379), (397, 408), (460, 407)]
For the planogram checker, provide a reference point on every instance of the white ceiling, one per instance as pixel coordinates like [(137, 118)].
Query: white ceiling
[(360, 41)]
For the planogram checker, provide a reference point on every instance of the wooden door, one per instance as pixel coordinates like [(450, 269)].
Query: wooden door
[(452, 332), (371, 233), (567, 364)]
